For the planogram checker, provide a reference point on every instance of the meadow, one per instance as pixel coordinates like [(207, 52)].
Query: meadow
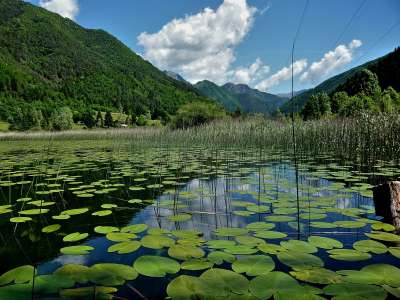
[(224, 210)]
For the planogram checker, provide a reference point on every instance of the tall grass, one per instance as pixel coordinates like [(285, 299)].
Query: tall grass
[(369, 137)]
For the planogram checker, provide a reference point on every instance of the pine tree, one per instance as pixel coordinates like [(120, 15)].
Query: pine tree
[(99, 120), (108, 120)]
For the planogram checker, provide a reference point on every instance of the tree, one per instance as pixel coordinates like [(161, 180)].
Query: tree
[(197, 113), (317, 106), (99, 119), (339, 101), (108, 120), (363, 82), (62, 119), (88, 119), (238, 112)]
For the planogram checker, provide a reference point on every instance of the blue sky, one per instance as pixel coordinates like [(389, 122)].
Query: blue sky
[(245, 41)]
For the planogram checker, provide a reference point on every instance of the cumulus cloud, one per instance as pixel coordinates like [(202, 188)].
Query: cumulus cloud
[(201, 46), (282, 75), (332, 60), (255, 71), (65, 8)]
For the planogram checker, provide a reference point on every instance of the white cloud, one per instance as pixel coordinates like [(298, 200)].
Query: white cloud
[(65, 8), (254, 72), (282, 75), (201, 46), (331, 61)]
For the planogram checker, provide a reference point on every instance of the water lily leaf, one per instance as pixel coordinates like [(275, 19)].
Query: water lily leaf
[(345, 291), (270, 235), (224, 282), (374, 274), (240, 249), (280, 219), (324, 242), (299, 260), (256, 226), (61, 217), (370, 246), (220, 244), (95, 292), (51, 228), (76, 250), (185, 252), (74, 212), (156, 266), (394, 291), (350, 224), (383, 226), (348, 255), (254, 265), (300, 246), (108, 206), (258, 208), (105, 229), (218, 257), (230, 231), (249, 240), (75, 237), (31, 212), (120, 236), (180, 218), (317, 275), (124, 247), (384, 236), (111, 274), (21, 274), (135, 228), (196, 264), (157, 241), (267, 285), (395, 251), (324, 225), (187, 287), (271, 248), (20, 219), (102, 213), (78, 273)]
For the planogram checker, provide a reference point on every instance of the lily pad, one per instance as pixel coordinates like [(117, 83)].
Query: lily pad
[(156, 266), (75, 237), (345, 291), (300, 246), (185, 252), (254, 265), (299, 260), (348, 255), (317, 275), (21, 274), (76, 250), (157, 241), (125, 247), (370, 246), (324, 242)]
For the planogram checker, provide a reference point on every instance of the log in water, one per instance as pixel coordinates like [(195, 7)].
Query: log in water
[(387, 202)]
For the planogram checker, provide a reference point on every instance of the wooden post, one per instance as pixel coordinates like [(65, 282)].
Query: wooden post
[(387, 202)]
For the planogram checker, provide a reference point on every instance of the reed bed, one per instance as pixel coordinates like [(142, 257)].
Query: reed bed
[(368, 138)]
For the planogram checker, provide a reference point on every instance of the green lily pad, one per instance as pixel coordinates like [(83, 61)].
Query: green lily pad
[(348, 255), (105, 229), (187, 287), (395, 251), (51, 228), (379, 274), (78, 273), (240, 249), (111, 274), (384, 236), (280, 219), (300, 246), (180, 218), (271, 248), (345, 291), (317, 275), (76, 250), (324, 242), (270, 235), (31, 212), (218, 257), (124, 247), (196, 264), (383, 226), (224, 282), (21, 274), (370, 246), (157, 241), (185, 252), (256, 226), (156, 266), (249, 240), (102, 213), (220, 244), (74, 212), (254, 265), (75, 237), (299, 260), (20, 219), (120, 236), (96, 292), (135, 228)]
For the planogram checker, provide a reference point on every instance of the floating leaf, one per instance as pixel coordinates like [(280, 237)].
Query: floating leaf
[(220, 244), (76, 250), (102, 213), (51, 228), (219, 257), (135, 228), (185, 252), (156, 266), (120, 236), (157, 241), (254, 265), (78, 273), (180, 218), (317, 275), (249, 240), (18, 275), (324, 242), (74, 212), (345, 291), (348, 255), (256, 226), (270, 235), (383, 226), (374, 274), (196, 264), (111, 274), (271, 248), (240, 249), (31, 212), (280, 219), (125, 247), (299, 260), (105, 229), (224, 282), (384, 236), (75, 237), (395, 251), (97, 292), (370, 246), (20, 219)]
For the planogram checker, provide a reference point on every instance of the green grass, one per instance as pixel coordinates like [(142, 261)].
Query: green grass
[(4, 126)]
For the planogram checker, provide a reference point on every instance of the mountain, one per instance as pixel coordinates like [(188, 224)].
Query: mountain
[(387, 68), (47, 61), (176, 76), (289, 94), (240, 95)]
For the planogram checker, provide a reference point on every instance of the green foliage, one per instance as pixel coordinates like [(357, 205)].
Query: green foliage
[(364, 82), (62, 119), (318, 106), (198, 113), (47, 62), (108, 120)]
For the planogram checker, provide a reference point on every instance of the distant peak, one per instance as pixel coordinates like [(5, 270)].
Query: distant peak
[(237, 88)]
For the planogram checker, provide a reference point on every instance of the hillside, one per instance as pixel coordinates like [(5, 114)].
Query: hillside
[(47, 61), (386, 68), (240, 95)]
